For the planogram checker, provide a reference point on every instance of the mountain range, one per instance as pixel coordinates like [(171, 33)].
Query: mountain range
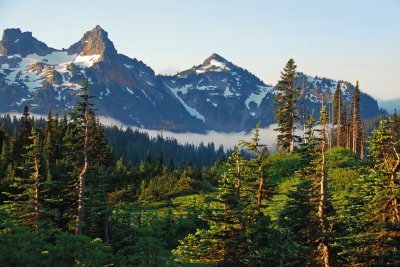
[(214, 95)]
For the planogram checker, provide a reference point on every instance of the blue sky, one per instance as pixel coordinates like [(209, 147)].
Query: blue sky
[(349, 40)]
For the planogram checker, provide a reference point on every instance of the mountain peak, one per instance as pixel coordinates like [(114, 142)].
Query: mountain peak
[(216, 57), (214, 62), (15, 41), (98, 31), (94, 42), (13, 33), (98, 28)]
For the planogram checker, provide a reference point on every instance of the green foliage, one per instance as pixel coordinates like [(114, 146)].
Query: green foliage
[(230, 216), (340, 157), (281, 166), (19, 246), (253, 210), (285, 104), (233, 216), (76, 250)]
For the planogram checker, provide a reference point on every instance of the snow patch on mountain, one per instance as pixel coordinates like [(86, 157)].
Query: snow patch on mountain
[(258, 97), (150, 83), (148, 97), (31, 78), (326, 85), (72, 85), (214, 65), (32, 81), (227, 92), (58, 98), (207, 88), (192, 111), (129, 90), (218, 64), (23, 100), (86, 61), (184, 89)]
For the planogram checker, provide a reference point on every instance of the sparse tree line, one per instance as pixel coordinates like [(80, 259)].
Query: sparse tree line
[(344, 125), (326, 198)]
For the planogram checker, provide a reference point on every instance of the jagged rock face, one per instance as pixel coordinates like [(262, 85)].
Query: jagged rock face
[(94, 42), (16, 42), (215, 95)]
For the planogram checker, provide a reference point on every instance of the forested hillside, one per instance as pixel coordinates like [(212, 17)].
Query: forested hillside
[(135, 146), (76, 194)]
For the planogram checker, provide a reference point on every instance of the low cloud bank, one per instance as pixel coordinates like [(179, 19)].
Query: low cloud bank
[(228, 140)]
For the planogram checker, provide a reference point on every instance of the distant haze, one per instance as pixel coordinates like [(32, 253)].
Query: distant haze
[(390, 105), (349, 40)]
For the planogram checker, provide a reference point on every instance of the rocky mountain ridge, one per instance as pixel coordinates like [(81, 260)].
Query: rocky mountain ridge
[(215, 95)]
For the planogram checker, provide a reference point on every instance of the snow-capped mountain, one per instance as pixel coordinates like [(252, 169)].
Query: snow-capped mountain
[(215, 95), (222, 95), (126, 89)]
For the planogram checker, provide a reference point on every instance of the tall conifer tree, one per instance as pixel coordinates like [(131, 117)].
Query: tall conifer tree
[(356, 120), (323, 243), (337, 112), (82, 117), (285, 103)]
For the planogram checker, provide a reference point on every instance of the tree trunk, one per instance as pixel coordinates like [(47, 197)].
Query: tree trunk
[(260, 192), (347, 138), (362, 142), (355, 130), (261, 181), (322, 202), (81, 177), (36, 175), (330, 135), (240, 217), (339, 122), (291, 149)]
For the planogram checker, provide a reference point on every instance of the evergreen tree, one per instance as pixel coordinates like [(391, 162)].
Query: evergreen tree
[(4, 152), (261, 152), (231, 217), (286, 107), (83, 110), (26, 128), (349, 127), (305, 213), (374, 236), (23, 200), (299, 213), (337, 112), (356, 120), (323, 245)]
